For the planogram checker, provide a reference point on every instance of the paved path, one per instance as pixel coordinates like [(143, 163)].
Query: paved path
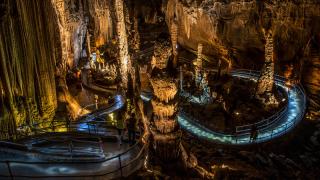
[(282, 122), (26, 164), (285, 123)]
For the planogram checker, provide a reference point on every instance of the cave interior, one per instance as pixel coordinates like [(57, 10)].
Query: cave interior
[(159, 89)]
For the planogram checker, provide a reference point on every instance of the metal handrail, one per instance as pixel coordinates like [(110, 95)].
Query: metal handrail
[(131, 162), (283, 128), (121, 166), (264, 122)]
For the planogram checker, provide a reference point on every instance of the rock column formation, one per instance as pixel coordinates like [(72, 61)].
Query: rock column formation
[(174, 39), (165, 89), (165, 134), (266, 79), (28, 54), (124, 60), (198, 64)]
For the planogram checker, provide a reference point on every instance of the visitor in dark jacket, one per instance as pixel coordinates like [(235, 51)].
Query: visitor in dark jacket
[(131, 126)]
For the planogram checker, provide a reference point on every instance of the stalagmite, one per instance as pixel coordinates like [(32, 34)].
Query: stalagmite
[(136, 37), (266, 79), (198, 63), (166, 138), (165, 89), (124, 59), (174, 40)]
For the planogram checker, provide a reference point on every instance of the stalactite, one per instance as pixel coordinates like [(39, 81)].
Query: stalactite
[(102, 24)]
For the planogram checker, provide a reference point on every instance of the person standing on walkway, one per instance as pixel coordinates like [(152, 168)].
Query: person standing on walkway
[(254, 133), (131, 126), (120, 127)]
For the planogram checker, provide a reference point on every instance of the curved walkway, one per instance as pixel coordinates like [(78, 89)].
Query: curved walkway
[(19, 161), (286, 122)]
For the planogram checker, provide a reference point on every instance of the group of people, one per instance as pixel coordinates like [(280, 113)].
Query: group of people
[(124, 125)]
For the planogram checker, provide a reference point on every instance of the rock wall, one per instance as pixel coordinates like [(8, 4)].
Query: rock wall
[(29, 49)]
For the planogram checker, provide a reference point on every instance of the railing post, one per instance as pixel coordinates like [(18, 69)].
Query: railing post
[(120, 166), (9, 169), (285, 130)]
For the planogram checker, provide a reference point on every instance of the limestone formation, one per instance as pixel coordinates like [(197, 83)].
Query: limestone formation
[(161, 54), (124, 59), (198, 64), (266, 80), (265, 83), (165, 90), (28, 42), (174, 39)]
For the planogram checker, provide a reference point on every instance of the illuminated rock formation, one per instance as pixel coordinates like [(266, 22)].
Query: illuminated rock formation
[(161, 54), (101, 26), (124, 59), (28, 43), (165, 90), (165, 134), (266, 80), (198, 64), (174, 39)]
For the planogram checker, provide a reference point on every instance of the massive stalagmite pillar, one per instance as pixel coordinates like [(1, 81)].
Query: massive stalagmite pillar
[(165, 134), (124, 59), (266, 79), (165, 89)]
